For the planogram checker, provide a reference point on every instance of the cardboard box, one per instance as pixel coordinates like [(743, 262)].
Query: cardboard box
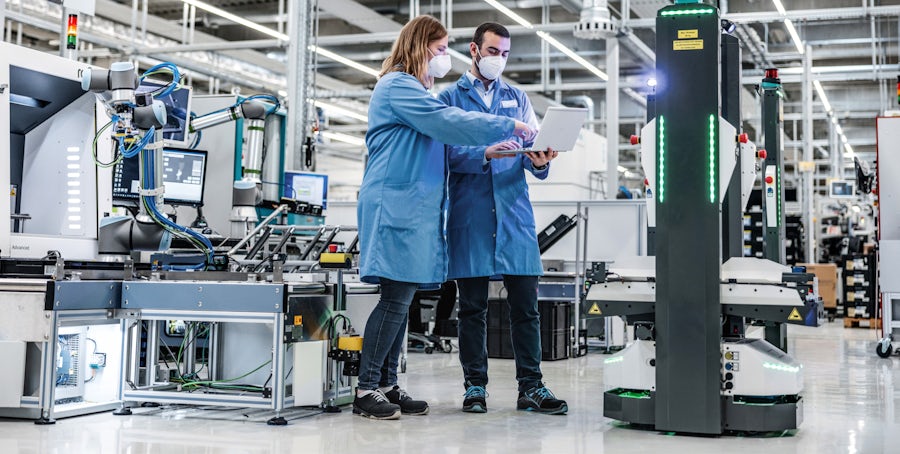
[(826, 273)]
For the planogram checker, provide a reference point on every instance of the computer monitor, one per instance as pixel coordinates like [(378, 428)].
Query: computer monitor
[(176, 131), (307, 187), (841, 189), (184, 175)]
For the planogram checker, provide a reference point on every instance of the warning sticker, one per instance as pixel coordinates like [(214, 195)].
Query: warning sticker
[(595, 310), (688, 34), (795, 315), (688, 44)]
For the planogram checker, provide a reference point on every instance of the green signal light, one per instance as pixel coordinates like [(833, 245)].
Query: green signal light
[(687, 12), (661, 190), (712, 158)]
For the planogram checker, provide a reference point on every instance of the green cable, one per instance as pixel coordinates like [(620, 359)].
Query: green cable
[(214, 382), (94, 149)]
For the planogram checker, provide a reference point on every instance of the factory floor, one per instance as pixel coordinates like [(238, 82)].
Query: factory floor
[(851, 399)]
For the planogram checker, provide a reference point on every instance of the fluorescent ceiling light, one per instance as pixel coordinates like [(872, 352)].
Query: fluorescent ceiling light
[(550, 39), (571, 54), (340, 59), (509, 13), (822, 96), (237, 19), (794, 36), (848, 149), (622, 169), (346, 138), (779, 7), (278, 35), (834, 120), (838, 130), (341, 111), (844, 139)]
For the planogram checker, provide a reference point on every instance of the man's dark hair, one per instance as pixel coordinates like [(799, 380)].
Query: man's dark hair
[(492, 27)]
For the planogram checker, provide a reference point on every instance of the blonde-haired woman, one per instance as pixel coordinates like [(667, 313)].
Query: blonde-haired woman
[(402, 201)]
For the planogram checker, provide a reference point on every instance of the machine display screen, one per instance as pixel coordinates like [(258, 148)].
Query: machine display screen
[(841, 189), (311, 188), (184, 174), (178, 112)]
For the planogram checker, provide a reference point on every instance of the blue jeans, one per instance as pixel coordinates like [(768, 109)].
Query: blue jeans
[(524, 324), (383, 338)]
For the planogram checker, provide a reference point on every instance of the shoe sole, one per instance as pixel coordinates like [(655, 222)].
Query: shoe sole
[(547, 411), (475, 408), (418, 413), (395, 415)]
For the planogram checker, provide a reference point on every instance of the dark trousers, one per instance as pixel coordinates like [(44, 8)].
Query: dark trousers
[(524, 324), (383, 338)]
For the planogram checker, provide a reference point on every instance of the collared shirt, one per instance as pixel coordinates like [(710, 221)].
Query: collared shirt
[(486, 93)]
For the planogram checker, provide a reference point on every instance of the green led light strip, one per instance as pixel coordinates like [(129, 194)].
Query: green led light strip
[(686, 12), (712, 158), (778, 194), (661, 190)]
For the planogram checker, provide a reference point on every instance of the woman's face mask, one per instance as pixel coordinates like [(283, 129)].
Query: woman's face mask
[(439, 65)]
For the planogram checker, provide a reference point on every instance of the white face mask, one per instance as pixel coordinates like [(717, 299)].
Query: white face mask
[(491, 67), (439, 65)]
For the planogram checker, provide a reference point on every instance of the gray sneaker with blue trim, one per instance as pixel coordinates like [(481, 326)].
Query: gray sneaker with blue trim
[(540, 399)]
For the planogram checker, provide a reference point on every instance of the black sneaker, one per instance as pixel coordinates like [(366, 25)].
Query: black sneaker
[(408, 405), (474, 401), (376, 406), (541, 400)]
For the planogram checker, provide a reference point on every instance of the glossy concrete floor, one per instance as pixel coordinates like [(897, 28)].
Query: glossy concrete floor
[(851, 405)]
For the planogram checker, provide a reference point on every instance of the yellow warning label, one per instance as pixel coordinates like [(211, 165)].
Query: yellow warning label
[(595, 310), (688, 44), (795, 315), (687, 34)]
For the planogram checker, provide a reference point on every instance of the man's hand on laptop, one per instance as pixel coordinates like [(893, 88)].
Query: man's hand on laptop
[(540, 159), (494, 151)]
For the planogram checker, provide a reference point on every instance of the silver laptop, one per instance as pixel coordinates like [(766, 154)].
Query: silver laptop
[(558, 131)]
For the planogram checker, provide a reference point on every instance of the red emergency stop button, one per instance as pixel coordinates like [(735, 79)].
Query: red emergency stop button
[(332, 248), (646, 182), (635, 139), (743, 138), (769, 180), (761, 154)]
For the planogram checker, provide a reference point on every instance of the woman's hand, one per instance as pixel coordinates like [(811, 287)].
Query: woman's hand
[(525, 132)]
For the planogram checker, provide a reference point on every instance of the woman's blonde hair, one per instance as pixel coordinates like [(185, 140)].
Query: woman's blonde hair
[(410, 51)]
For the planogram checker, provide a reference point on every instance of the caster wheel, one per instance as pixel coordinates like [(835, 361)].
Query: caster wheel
[(883, 352), (429, 350)]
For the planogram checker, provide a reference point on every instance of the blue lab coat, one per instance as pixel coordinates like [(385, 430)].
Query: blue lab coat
[(491, 224), (402, 200)]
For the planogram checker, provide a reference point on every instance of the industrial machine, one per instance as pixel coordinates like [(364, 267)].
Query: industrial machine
[(691, 369), (135, 302)]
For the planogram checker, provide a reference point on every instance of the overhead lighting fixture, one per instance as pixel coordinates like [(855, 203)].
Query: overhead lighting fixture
[(621, 169), (341, 111), (822, 96), (794, 36), (838, 130), (340, 59), (571, 54), (278, 35), (346, 138), (848, 149), (509, 13), (550, 39), (779, 7), (237, 19)]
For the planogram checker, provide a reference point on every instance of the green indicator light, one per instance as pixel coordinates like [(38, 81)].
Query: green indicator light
[(778, 194), (661, 190), (71, 41), (686, 12), (712, 158)]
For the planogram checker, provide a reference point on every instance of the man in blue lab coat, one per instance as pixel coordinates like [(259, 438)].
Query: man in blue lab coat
[(491, 229)]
